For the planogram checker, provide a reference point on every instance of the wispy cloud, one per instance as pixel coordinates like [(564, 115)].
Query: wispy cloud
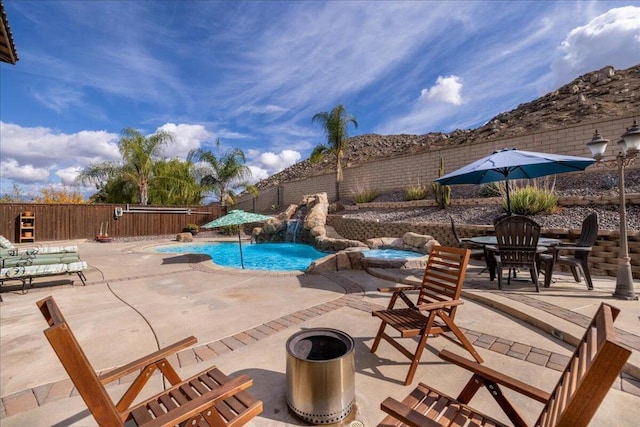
[(254, 73)]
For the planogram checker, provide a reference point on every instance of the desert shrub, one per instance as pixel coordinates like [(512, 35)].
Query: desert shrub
[(365, 196), (532, 200), (362, 192), (417, 192), (490, 189)]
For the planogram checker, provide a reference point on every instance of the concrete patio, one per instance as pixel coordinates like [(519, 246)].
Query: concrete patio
[(136, 300)]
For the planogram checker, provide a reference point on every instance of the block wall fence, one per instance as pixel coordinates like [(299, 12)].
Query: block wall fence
[(398, 173)]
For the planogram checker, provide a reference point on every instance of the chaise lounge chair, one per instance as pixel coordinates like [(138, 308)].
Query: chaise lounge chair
[(22, 273), (8, 248), (40, 261)]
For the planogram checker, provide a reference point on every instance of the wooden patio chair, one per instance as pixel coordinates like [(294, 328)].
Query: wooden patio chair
[(517, 247), (209, 398), (579, 261), (439, 298), (591, 371)]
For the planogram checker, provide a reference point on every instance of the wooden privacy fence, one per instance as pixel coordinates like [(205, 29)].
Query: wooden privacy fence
[(72, 221)]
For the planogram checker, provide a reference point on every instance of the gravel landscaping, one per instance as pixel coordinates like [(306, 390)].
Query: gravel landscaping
[(565, 218)]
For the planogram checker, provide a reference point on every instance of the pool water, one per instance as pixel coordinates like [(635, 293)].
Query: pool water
[(391, 254), (262, 256)]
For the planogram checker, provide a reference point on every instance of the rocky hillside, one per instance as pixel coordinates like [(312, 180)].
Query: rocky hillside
[(602, 94)]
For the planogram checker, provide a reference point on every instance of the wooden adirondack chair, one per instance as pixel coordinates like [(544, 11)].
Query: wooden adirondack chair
[(209, 398), (593, 368), (517, 247), (435, 309)]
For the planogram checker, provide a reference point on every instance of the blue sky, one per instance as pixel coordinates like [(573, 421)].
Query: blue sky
[(254, 73)]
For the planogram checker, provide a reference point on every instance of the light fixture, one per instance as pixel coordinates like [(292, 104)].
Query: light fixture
[(629, 148)]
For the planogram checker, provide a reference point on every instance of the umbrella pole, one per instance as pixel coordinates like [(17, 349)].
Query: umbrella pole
[(508, 199), (240, 244)]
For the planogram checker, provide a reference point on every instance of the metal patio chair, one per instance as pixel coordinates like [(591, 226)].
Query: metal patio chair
[(579, 261)]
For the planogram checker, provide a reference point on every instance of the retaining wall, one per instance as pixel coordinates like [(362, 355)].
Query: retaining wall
[(602, 261), (400, 172)]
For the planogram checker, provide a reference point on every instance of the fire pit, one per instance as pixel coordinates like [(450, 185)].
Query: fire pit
[(320, 375)]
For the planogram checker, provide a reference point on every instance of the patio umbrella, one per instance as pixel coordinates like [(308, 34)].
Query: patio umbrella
[(237, 217), (511, 163)]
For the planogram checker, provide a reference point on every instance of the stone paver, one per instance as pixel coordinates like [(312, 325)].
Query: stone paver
[(352, 299), (20, 402), (203, 353), (187, 357), (219, 347)]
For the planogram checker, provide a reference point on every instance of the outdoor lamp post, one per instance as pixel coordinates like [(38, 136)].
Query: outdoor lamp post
[(629, 148)]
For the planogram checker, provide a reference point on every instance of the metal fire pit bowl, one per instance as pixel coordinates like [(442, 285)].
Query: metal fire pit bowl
[(320, 375)]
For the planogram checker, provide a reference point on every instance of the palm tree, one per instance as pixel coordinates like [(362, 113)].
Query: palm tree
[(139, 154), (175, 184), (222, 175), (335, 124)]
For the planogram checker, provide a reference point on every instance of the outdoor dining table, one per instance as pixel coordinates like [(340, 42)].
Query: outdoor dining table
[(485, 241)]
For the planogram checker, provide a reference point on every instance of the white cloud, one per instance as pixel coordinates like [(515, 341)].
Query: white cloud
[(46, 146), (68, 175), (612, 38), (26, 173), (268, 163), (185, 138), (257, 173), (447, 89)]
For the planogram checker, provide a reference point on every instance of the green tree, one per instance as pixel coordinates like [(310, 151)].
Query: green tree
[(223, 175), (114, 190), (335, 125), (175, 184), (139, 154)]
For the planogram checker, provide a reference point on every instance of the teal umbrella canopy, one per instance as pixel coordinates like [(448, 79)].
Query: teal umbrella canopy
[(237, 217), (511, 163)]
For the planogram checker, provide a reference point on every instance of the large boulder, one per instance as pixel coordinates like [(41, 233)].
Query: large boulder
[(418, 242), (317, 206), (409, 242), (312, 211), (184, 237), (274, 226), (335, 245)]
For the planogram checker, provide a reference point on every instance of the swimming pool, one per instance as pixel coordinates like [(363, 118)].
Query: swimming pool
[(262, 256)]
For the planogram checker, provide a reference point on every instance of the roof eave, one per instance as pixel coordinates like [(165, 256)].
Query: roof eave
[(8, 52)]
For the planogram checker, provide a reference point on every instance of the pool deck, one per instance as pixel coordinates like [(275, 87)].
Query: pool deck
[(136, 299)]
